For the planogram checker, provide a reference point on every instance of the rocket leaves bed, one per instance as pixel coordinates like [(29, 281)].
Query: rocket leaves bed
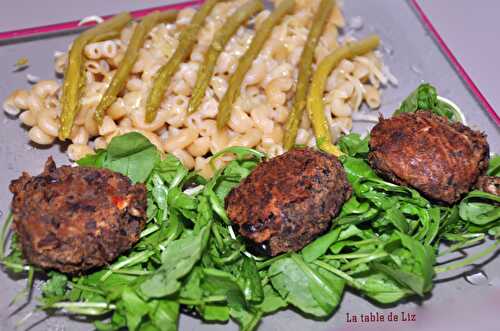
[(384, 245)]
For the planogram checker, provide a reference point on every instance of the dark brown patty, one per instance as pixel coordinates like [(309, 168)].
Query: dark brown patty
[(490, 184), (75, 218), (442, 160), (288, 201)]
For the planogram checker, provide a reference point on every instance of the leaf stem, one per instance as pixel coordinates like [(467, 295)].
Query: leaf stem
[(133, 272), (463, 244), (127, 262), (29, 284), (367, 259), (347, 256), (15, 265), (231, 257), (217, 237), (149, 230), (468, 260), (194, 302), (69, 305), (4, 234), (350, 280), (87, 288), (267, 263)]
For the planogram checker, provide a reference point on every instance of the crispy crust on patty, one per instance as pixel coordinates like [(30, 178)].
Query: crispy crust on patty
[(289, 200), (489, 184), (442, 160), (76, 218)]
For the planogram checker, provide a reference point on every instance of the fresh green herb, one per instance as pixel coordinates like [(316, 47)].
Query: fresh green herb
[(383, 244), (494, 167), (425, 97), (307, 287), (131, 154), (480, 208)]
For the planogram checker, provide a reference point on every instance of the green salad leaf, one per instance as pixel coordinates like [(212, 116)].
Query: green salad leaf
[(480, 208), (177, 261), (425, 97), (307, 287), (384, 245), (130, 154), (494, 166)]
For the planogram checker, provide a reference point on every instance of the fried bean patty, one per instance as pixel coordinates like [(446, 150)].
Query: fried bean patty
[(489, 184), (442, 160), (76, 218), (289, 200)]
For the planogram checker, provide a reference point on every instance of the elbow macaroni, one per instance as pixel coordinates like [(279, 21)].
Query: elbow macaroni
[(258, 115)]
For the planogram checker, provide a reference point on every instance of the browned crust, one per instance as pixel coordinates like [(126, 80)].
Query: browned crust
[(440, 159), (289, 200), (489, 184), (75, 218)]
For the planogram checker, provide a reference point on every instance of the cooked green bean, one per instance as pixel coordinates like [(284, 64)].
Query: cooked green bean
[(73, 76), (261, 35), (167, 16), (106, 36), (119, 80), (164, 75), (218, 44), (305, 72), (315, 107)]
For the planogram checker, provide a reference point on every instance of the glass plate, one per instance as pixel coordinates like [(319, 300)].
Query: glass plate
[(413, 57)]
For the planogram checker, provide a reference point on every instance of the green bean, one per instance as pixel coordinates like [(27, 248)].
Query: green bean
[(119, 80), (261, 35), (73, 76), (315, 106), (164, 75), (305, 71), (106, 36), (218, 44), (167, 16)]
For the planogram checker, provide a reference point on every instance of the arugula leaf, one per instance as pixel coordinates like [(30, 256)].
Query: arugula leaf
[(272, 301), (134, 307), (353, 145), (55, 286), (170, 169), (94, 160), (248, 320), (415, 269), (425, 97), (480, 208), (494, 165), (15, 261), (214, 312), (307, 287), (177, 261), (133, 155), (164, 314), (130, 154), (357, 168), (381, 288), (495, 232), (249, 280), (218, 282), (319, 246)]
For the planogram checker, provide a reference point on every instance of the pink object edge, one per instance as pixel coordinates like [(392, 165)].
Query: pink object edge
[(39, 30), (461, 71)]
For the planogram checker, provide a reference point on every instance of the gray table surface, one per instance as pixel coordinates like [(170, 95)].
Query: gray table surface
[(453, 305), (470, 29)]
